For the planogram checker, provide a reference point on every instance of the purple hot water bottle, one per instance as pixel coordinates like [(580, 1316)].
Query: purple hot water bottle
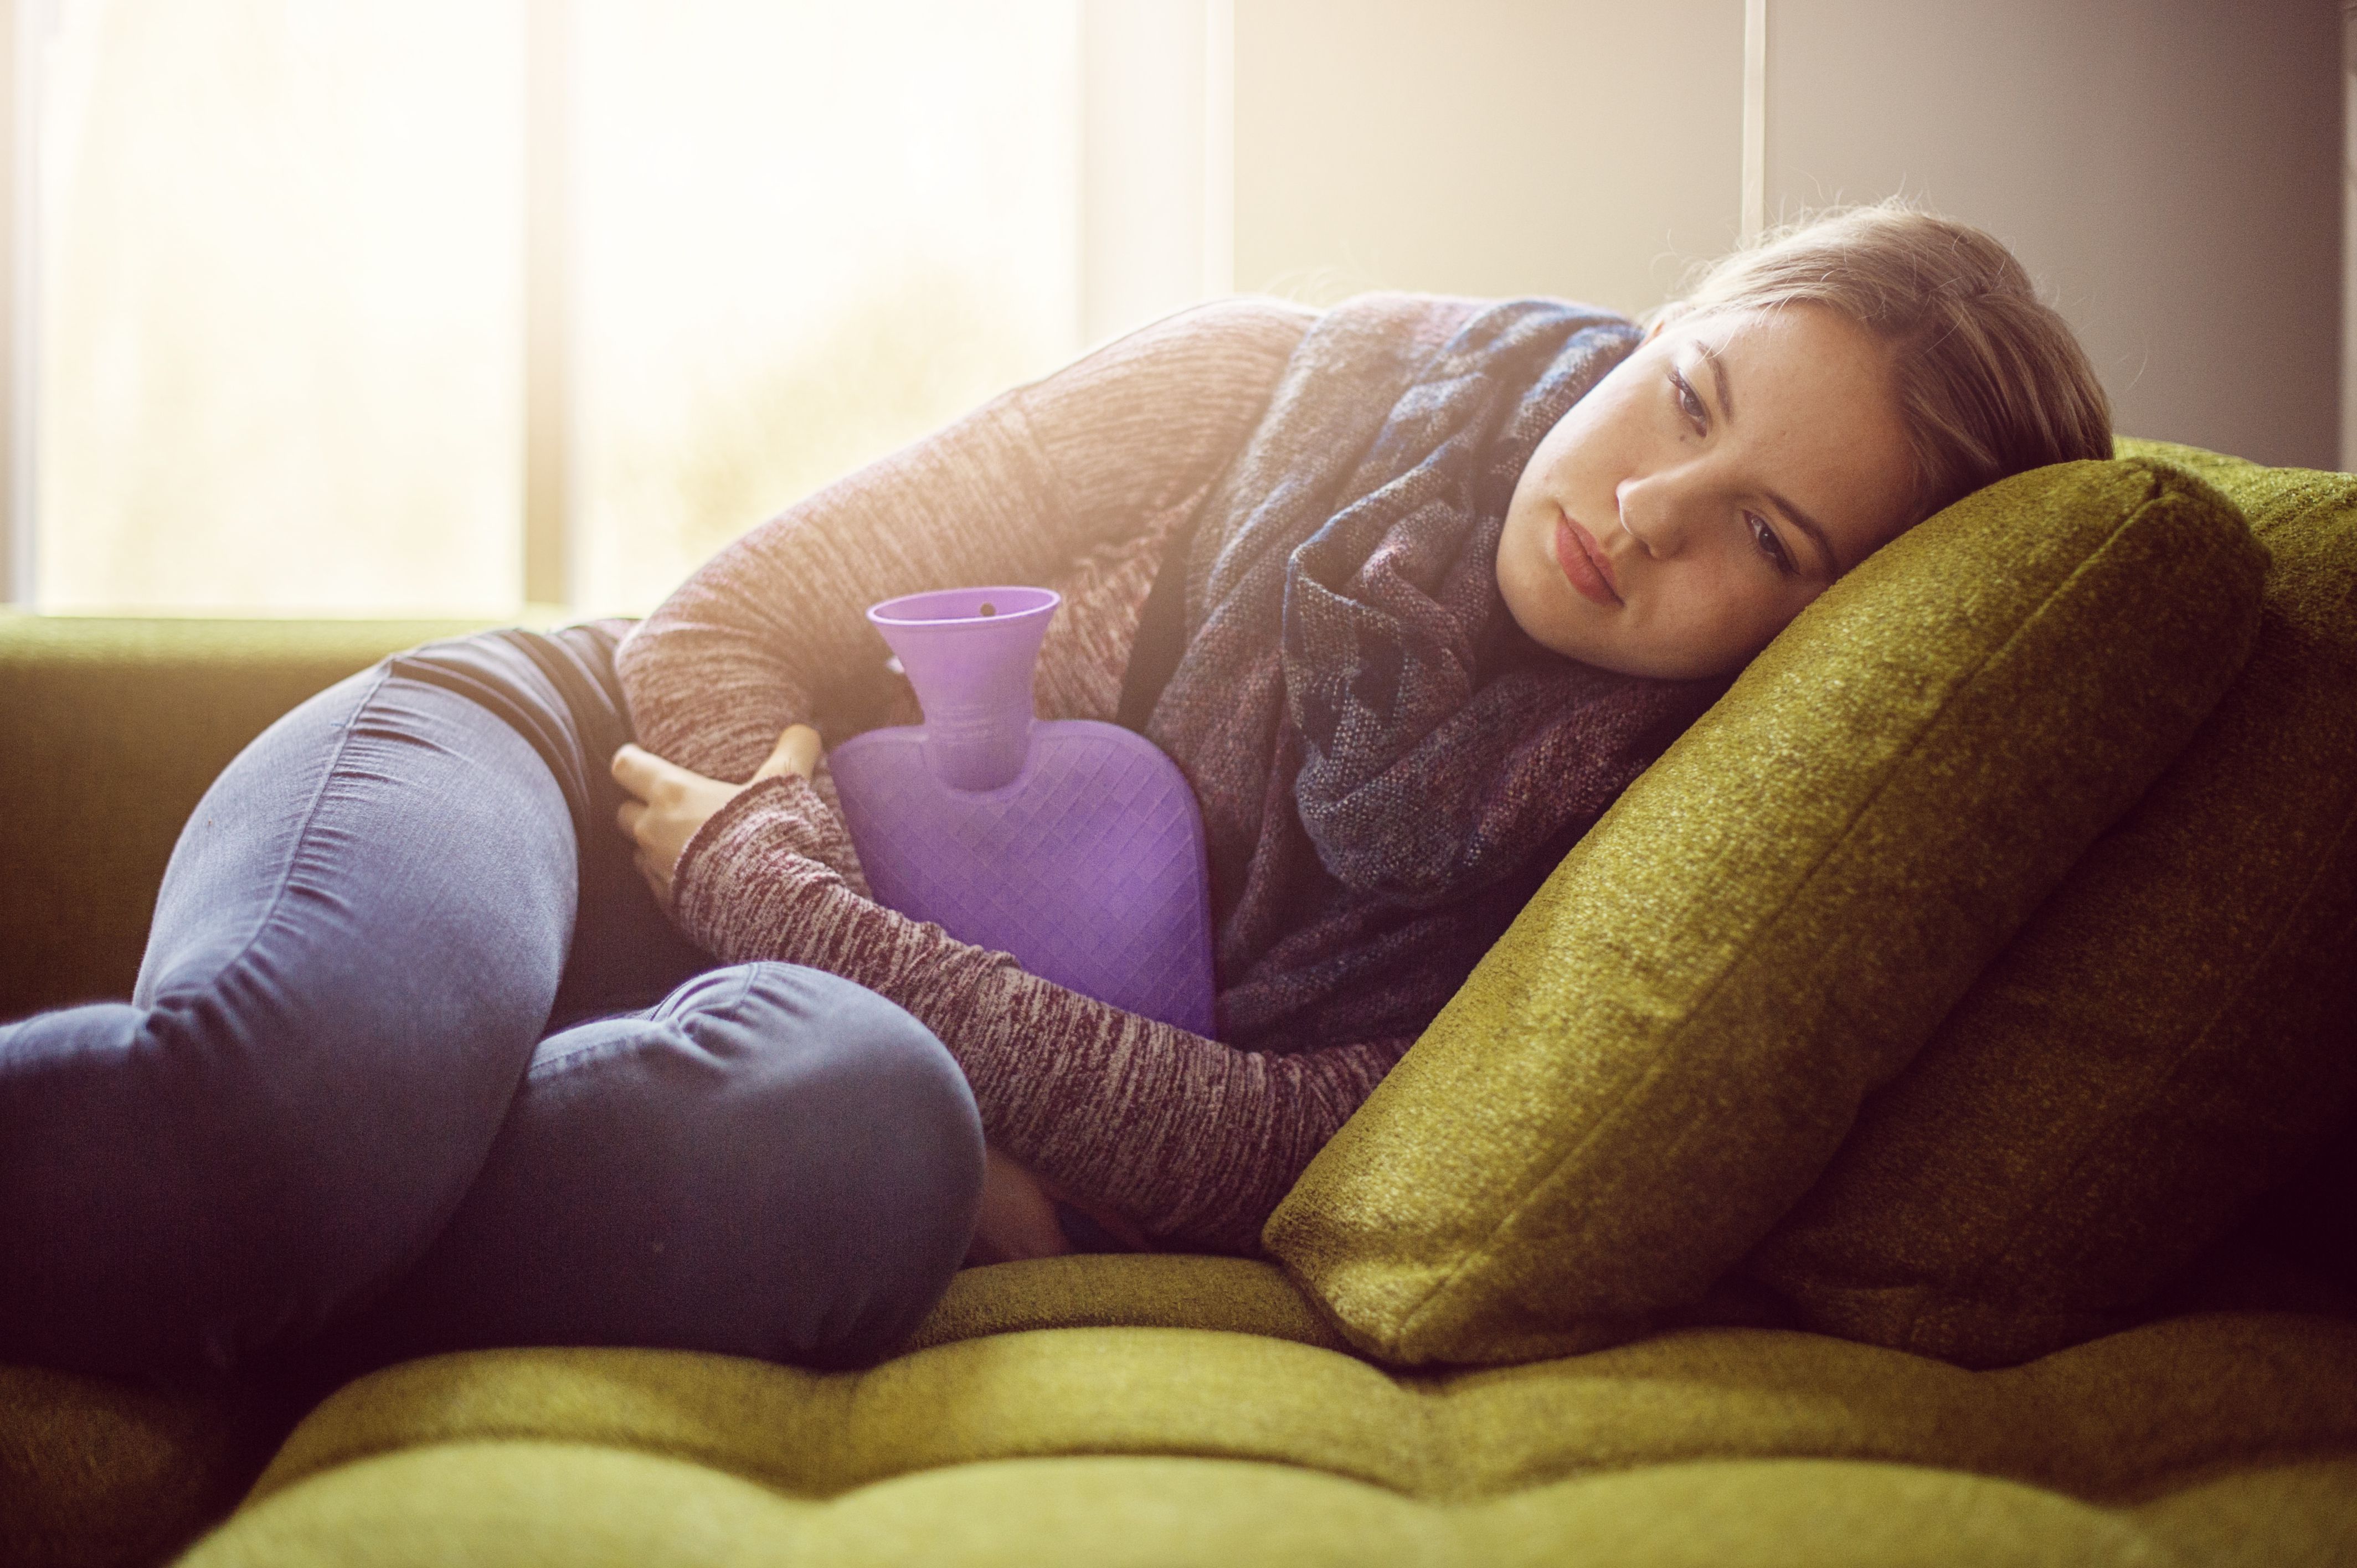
[(1076, 846)]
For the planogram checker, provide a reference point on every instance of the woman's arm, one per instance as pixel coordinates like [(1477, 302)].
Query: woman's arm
[(772, 630), (1194, 1140)]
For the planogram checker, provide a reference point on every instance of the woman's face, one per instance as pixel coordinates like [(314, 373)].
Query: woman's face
[(1713, 483)]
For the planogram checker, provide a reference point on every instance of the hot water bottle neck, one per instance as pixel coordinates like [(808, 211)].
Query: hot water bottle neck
[(1073, 845)]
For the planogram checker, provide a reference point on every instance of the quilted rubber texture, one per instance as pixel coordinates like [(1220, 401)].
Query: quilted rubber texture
[(1088, 867)]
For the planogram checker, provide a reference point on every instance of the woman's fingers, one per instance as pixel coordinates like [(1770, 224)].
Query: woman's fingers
[(636, 770), (670, 805), (796, 751)]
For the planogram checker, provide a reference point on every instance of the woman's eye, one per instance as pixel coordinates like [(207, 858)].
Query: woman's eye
[(1690, 405), (1763, 535)]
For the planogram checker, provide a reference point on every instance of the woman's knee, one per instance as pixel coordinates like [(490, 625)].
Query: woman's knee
[(887, 1170), (773, 1162), (176, 1189), (866, 1088), (869, 1068)]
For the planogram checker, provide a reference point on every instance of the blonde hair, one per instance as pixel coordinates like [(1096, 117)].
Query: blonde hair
[(1990, 380)]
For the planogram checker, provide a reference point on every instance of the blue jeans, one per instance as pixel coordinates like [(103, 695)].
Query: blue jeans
[(412, 1046)]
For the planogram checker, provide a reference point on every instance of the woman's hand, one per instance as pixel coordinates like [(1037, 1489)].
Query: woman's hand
[(1018, 1215), (1018, 1218), (669, 803)]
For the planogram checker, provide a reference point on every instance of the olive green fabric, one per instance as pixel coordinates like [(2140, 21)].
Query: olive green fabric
[(94, 1473), (1657, 1060), (2173, 1031), (492, 1505), (1136, 1290), (110, 730), (2226, 1436), (2100, 1420), (1177, 1444)]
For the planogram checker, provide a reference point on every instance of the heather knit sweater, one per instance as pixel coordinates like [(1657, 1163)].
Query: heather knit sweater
[(1077, 482)]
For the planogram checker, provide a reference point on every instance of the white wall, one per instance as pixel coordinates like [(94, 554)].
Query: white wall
[(1485, 146)]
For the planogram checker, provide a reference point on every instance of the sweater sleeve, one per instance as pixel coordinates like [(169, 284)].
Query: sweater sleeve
[(772, 630), (1196, 1141)]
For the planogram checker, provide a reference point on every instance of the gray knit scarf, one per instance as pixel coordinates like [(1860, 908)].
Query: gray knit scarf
[(1388, 767)]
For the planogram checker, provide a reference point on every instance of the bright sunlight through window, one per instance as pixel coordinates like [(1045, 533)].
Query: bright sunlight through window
[(283, 283)]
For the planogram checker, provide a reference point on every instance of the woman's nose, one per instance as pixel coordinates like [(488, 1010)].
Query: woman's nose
[(1652, 511)]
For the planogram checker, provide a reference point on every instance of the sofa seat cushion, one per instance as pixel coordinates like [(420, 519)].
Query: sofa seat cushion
[(1155, 1441), (493, 1505)]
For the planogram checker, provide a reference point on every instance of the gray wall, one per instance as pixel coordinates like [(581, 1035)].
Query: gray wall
[(2349, 237), (2169, 169)]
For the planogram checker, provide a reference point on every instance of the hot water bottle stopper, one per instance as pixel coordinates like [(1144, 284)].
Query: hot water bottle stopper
[(1075, 846)]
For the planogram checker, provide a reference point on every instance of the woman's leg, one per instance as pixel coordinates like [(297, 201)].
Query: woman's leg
[(773, 1162), (354, 951)]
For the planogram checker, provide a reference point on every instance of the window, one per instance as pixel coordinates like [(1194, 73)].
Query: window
[(807, 233), (437, 305), (277, 307)]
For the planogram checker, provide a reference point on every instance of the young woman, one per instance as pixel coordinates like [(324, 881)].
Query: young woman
[(1410, 590)]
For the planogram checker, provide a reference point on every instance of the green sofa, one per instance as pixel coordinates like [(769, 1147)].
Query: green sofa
[(1147, 1409)]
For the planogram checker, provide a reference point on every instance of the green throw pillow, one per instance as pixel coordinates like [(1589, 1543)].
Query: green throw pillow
[(1659, 1056), (2173, 1031)]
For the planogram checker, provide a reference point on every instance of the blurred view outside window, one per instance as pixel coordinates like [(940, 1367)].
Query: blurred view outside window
[(283, 283)]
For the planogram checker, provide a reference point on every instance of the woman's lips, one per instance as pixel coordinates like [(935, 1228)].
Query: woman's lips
[(1575, 550)]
